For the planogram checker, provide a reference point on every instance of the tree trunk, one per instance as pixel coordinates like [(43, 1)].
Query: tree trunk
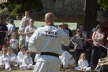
[(90, 14)]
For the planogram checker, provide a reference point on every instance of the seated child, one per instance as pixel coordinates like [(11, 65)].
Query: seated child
[(13, 58), (14, 43), (67, 59), (83, 63), (21, 55), (36, 57), (5, 60), (27, 62)]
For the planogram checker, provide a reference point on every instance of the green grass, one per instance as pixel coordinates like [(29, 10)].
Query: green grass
[(31, 71), (71, 25), (16, 71)]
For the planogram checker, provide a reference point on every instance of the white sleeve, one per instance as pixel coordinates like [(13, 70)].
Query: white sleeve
[(80, 63), (32, 41)]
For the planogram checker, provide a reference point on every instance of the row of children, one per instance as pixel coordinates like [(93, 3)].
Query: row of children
[(9, 60), (23, 60)]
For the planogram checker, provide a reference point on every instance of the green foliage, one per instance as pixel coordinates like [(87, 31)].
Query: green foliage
[(103, 4), (11, 6), (16, 11), (4, 12), (17, 7)]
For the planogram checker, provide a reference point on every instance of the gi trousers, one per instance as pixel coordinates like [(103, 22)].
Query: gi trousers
[(46, 63)]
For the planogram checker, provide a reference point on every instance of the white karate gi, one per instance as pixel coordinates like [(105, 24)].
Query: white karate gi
[(20, 57), (66, 59), (48, 39), (24, 22), (29, 29), (4, 61), (13, 59), (14, 43), (22, 37), (27, 63), (83, 65), (11, 28), (36, 57)]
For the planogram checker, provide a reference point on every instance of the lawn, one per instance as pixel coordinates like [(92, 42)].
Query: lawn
[(16, 71), (30, 71), (72, 25), (67, 70)]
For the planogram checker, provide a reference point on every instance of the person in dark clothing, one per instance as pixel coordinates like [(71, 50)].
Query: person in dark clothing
[(70, 31), (3, 31), (97, 51)]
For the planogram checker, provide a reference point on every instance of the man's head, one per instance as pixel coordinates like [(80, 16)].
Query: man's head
[(49, 18)]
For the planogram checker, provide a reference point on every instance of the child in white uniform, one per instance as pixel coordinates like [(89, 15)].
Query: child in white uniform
[(13, 58), (29, 30), (83, 63), (14, 43), (4, 60), (67, 59), (21, 55), (27, 62)]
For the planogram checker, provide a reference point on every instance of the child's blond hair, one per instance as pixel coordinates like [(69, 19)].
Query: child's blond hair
[(82, 56)]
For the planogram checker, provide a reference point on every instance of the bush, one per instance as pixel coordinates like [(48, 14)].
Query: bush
[(103, 4), (16, 11)]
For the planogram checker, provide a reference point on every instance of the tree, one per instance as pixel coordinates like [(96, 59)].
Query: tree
[(90, 14), (17, 7), (103, 4)]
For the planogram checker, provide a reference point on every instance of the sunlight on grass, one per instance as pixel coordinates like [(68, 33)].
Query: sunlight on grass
[(72, 25), (16, 71)]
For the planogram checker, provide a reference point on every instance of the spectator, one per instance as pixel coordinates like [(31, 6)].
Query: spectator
[(97, 51), (79, 44), (3, 31), (62, 27), (83, 63), (83, 32), (67, 28)]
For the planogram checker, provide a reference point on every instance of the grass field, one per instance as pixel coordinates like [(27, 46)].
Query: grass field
[(31, 71), (71, 25), (16, 71)]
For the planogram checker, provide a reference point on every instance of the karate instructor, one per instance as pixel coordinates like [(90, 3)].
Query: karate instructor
[(46, 41)]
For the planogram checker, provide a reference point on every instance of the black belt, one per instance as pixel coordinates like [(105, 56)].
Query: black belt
[(50, 54)]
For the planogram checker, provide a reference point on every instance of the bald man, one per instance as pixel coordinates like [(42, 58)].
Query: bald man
[(47, 42)]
